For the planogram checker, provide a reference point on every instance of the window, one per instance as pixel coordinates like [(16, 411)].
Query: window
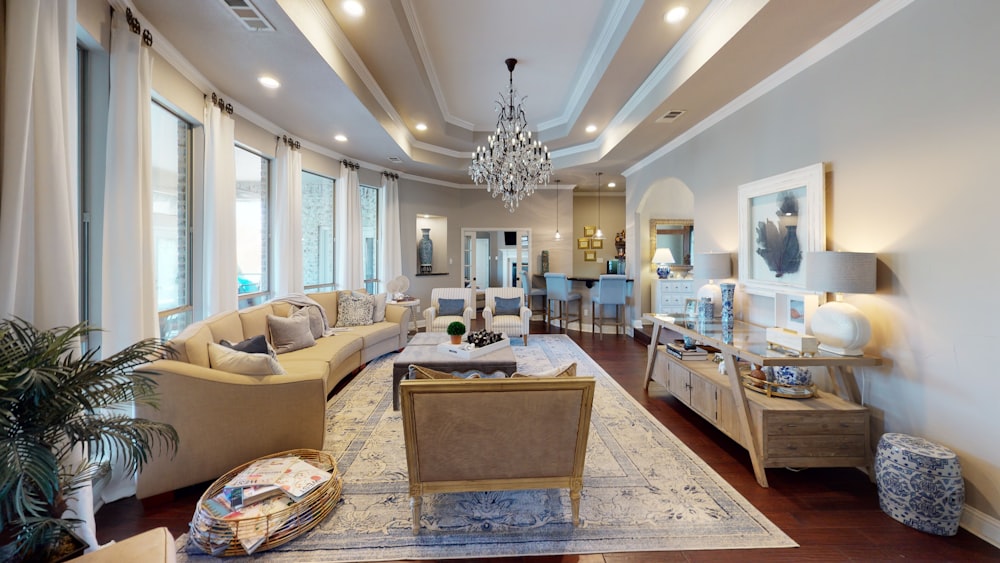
[(317, 232), (171, 150), (252, 222), (369, 236)]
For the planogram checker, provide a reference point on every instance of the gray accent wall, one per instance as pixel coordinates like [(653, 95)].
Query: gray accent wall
[(908, 117)]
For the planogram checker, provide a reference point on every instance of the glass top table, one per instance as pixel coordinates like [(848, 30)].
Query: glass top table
[(749, 342)]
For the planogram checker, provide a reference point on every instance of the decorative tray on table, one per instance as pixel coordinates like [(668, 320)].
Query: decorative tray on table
[(773, 389)]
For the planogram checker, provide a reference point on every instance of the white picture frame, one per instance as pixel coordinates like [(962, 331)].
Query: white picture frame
[(794, 311), (771, 211)]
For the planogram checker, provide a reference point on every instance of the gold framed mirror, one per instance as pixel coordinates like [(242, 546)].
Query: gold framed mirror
[(675, 234)]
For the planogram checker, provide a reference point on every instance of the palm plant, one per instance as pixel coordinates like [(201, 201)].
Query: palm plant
[(63, 414)]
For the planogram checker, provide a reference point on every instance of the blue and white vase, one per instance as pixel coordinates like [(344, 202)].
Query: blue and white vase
[(728, 315), (425, 251), (706, 309)]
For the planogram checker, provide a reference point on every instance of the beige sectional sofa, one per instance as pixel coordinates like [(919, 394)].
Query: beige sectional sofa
[(226, 419)]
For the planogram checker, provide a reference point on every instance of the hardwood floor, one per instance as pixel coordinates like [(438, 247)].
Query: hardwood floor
[(832, 514)]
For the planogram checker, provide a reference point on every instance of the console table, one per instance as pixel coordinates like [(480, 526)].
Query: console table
[(827, 430)]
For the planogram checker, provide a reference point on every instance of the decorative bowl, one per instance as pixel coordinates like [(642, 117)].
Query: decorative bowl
[(791, 375)]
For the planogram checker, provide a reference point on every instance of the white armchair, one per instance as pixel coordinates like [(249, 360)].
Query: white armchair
[(502, 321), (434, 321)]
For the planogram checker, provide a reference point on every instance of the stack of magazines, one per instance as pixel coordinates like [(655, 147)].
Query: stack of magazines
[(265, 488), (677, 350)]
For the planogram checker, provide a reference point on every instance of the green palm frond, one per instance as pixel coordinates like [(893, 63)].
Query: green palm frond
[(55, 401)]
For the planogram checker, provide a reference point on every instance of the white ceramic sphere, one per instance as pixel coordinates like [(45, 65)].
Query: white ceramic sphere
[(841, 328)]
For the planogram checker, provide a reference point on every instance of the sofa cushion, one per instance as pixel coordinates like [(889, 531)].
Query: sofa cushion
[(354, 309), (507, 306), (374, 333), (451, 307), (227, 325), (334, 350), (196, 345), (327, 300), (290, 333), (254, 319), (253, 345), (234, 361)]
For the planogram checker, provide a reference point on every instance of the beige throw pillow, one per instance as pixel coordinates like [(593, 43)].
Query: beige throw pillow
[(315, 320), (234, 361), (420, 372), (288, 334)]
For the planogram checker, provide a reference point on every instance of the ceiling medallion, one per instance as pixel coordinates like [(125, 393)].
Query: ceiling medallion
[(512, 165)]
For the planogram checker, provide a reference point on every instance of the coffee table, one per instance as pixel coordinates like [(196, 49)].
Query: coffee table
[(422, 350)]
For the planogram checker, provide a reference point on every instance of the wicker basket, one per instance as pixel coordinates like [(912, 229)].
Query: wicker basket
[(220, 537)]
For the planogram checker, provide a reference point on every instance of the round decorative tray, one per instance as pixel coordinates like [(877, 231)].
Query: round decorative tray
[(772, 389), (225, 537)]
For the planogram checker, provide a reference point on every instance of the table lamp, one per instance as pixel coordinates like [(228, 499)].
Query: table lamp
[(713, 266), (663, 258), (840, 327)]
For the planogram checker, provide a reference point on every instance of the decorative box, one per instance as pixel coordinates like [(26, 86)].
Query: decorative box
[(803, 344)]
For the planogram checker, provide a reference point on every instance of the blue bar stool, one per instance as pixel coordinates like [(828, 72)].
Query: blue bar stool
[(557, 289), (610, 290)]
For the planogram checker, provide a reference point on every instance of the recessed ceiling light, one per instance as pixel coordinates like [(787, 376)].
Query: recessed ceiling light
[(340, 137), (676, 14), (421, 126), (353, 8), (269, 82), (612, 184), (591, 128)]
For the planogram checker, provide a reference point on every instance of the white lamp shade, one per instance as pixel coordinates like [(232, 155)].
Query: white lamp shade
[(663, 256), (841, 272), (713, 265)]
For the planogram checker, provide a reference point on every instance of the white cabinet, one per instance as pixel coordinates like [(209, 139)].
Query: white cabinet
[(669, 295)]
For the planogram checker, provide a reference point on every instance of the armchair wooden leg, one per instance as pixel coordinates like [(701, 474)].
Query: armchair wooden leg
[(415, 503)]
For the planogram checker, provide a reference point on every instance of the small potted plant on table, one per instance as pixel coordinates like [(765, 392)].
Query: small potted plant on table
[(456, 329)]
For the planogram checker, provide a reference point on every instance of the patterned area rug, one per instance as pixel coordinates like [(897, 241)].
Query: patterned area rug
[(643, 489)]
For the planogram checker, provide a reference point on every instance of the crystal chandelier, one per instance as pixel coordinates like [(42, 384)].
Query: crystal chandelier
[(512, 165)]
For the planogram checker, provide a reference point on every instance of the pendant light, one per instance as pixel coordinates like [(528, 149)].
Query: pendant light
[(558, 236), (599, 234)]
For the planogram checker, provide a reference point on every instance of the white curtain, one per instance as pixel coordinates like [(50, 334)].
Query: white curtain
[(128, 273), (220, 285), (39, 249), (288, 221), (390, 245), (349, 258), (39, 213)]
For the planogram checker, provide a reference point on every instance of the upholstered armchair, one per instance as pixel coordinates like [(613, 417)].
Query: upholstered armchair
[(437, 318), (505, 311)]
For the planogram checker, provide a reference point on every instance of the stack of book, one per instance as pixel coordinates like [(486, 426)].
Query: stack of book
[(677, 350)]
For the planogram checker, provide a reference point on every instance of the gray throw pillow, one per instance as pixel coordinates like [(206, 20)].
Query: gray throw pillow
[(451, 307), (290, 333), (354, 309), (378, 313), (315, 320), (507, 306)]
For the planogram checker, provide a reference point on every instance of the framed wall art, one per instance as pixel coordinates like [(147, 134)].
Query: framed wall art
[(589, 256), (596, 243), (781, 218), (589, 230), (583, 243), (793, 311)]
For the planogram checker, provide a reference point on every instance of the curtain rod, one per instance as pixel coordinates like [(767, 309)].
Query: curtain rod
[(392, 175), (223, 105), (136, 27), (292, 143), (350, 164)]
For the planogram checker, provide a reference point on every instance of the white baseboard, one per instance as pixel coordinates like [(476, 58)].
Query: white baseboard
[(982, 525)]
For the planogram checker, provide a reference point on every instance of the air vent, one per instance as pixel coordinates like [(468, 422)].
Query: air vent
[(395, 159), (248, 14), (670, 116)]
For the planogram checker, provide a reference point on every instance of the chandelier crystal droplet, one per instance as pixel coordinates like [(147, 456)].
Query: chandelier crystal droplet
[(512, 164)]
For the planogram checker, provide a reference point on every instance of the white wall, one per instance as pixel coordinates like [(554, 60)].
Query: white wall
[(908, 118)]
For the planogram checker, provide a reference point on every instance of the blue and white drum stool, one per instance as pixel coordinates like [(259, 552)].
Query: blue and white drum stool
[(919, 483)]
